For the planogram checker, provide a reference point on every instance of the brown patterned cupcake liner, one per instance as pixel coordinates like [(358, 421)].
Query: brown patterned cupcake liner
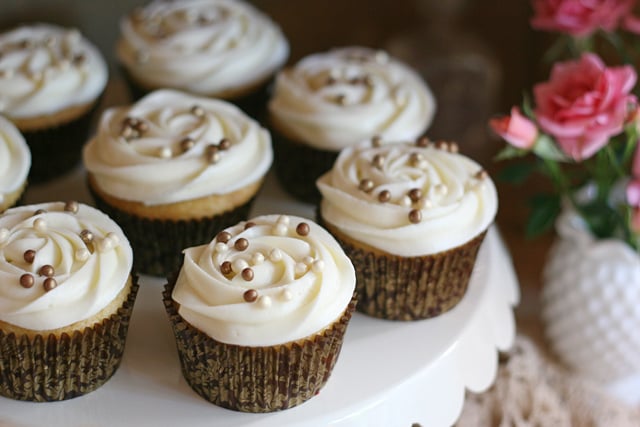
[(298, 166), (53, 368), (255, 379), (411, 288), (57, 150), (158, 244)]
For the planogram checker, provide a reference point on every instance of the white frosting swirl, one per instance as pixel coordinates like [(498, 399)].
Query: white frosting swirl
[(88, 276), (303, 283), (45, 69), (151, 165), (208, 47), (455, 199), (15, 159), (344, 96)]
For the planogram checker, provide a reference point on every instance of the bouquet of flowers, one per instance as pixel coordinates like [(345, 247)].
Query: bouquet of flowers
[(581, 126)]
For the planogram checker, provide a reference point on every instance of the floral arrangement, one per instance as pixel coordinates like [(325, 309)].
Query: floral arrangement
[(581, 127)]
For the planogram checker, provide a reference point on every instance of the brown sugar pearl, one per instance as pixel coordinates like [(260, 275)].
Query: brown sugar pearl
[(71, 206), (249, 224), (27, 280), (366, 185), (226, 268), (212, 155), (86, 236), (187, 144), (423, 142), (415, 216), (223, 236), (442, 145), (197, 111), (376, 141), (415, 194), (454, 147), (49, 284), (29, 256), (384, 196), (46, 270), (303, 229), (250, 295), (224, 144), (241, 244), (378, 161), (39, 212), (247, 274), (481, 174)]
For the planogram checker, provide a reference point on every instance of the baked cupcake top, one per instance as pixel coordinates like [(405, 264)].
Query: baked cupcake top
[(60, 263), (408, 199), (171, 147), (341, 97), (208, 47), (15, 159), (269, 281), (45, 69)]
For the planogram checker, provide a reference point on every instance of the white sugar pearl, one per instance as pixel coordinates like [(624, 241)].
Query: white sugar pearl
[(257, 258), (427, 203), (221, 247), (280, 229), (275, 255), (406, 201), (441, 189), (308, 260), (40, 224), (284, 219), (105, 245), (82, 254), (300, 268), (318, 266), (264, 301), (4, 233), (287, 295), (1, 198), (115, 239), (165, 153), (238, 265)]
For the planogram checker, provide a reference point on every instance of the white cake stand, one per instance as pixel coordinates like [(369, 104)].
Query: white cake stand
[(388, 373)]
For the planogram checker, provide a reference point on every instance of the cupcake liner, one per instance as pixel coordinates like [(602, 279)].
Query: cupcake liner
[(57, 150), (255, 379), (54, 368), (158, 244), (411, 288), (298, 166)]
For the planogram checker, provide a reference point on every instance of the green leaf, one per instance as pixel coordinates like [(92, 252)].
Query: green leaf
[(516, 173), (603, 220), (510, 152), (527, 108), (546, 148), (545, 210)]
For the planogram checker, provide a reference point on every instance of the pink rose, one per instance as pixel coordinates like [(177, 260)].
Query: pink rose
[(579, 18), (516, 129), (633, 199), (584, 103)]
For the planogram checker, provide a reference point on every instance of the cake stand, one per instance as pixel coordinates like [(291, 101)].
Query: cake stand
[(388, 373)]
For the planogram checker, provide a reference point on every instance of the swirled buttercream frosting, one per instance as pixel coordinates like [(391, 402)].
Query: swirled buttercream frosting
[(341, 97), (408, 199), (269, 281), (60, 263), (171, 147), (45, 69), (15, 159), (208, 47)]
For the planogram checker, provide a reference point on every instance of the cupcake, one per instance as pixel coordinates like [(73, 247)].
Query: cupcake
[(411, 216), (174, 169), (332, 100), (217, 48), (66, 296), (15, 160), (50, 81), (259, 313)]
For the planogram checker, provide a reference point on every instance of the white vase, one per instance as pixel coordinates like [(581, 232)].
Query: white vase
[(591, 307)]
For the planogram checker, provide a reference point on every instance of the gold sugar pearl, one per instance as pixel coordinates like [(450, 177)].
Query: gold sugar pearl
[(197, 111), (376, 141), (247, 274), (250, 295), (47, 270), (303, 229), (71, 206), (29, 256), (378, 161), (366, 185), (224, 144), (223, 236), (49, 284), (415, 194), (241, 244), (384, 196), (226, 268), (27, 280), (86, 236), (187, 144), (212, 155), (416, 159), (415, 216)]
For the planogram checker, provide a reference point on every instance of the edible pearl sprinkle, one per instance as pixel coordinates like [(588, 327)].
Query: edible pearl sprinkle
[(71, 206), (249, 224), (250, 295), (366, 185), (300, 268), (46, 270), (27, 280), (221, 247), (4, 233), (239, 264), (165, 153), (427, 203), (115, 239), (197, 111), (39, 212), (318, 266), (287, 295), (241, 244), (105, 245), (308, 260), (82, 254), (29, 256), (384, 196), (257, 258), (423, 142), (303, 229), (86, 236), (415, 194), (247, 274), (376, 141), (224, 144), (442, 145), (280, 229), (405, 201), (264, 301), (275, 255), (187, 144), (441, 189), (49, 284), (223, 236), (40, 224), (453, 147), (284, 219), (481, 174), (415, 216), (226, 268), (378, 161)]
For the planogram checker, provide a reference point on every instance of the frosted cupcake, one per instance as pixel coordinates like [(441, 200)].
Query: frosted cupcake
[(217, 48), (15, 160), (66, 295), (259, 313), (51, 79), (411, 217), (174, 169), (332, 100)]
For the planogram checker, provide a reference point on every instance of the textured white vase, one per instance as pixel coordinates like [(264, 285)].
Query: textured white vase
[(591, 307)]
